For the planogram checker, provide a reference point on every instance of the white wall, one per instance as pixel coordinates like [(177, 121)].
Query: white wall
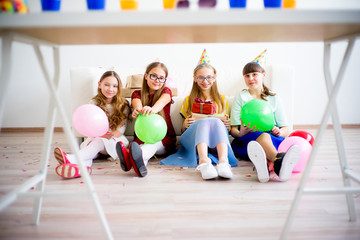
[(28, 98)]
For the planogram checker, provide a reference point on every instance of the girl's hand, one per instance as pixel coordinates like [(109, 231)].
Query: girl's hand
[(188, 121), (246, 129), (227, 122), (275, 131), (145, 111), (116, 134), (135, 113)]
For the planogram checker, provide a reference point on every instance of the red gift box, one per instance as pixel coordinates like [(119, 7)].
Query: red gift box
[(203, 107)]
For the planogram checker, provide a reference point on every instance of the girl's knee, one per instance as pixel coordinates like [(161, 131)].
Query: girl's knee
[(96, 143), (264, 137), (222, 145)]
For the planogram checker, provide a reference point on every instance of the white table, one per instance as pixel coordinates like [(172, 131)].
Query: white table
[(270, 25)]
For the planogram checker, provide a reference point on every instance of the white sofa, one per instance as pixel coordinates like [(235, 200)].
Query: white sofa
[(230, 81)]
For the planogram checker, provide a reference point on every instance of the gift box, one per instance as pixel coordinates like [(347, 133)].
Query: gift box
[(174, 91), (127, 92), (134, 81), (203, 107), (201, 116)]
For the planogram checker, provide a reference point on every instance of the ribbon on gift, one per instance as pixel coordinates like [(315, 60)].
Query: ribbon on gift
[(199, 100), (210, 108)]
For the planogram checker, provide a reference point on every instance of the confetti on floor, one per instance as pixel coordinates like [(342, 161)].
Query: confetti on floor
[(154, 166), (180, 168), (182, 180)]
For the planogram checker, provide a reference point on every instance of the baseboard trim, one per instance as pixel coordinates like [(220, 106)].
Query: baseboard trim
[(29, 129), (60, 129), (329, 126)]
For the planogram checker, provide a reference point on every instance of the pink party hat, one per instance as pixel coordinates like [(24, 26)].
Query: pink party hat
[(204, 59), (261, 59)]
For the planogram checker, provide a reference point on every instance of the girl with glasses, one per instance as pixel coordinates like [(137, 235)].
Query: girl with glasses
[(205, 142), (153, 98)]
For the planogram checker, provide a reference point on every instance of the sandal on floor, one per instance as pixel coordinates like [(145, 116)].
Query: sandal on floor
[(60, 156), (137, 160), (123, 154), (69, 170)]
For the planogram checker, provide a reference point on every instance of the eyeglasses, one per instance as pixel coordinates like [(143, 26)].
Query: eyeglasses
[(155, 77), (201, 79)]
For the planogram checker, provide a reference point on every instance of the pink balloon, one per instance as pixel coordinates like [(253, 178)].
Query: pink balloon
[(305, 148), (170, 82), (90, 120)]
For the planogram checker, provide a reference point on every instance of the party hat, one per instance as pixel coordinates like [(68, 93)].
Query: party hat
[(261, 59), (204, 59)]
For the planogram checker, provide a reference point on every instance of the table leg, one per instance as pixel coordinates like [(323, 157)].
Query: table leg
[(55, 105), (74, 147), (49, 132), (5, 73), (330, 108), (337, 124)]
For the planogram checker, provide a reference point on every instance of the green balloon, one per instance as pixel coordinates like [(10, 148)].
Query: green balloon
[(150, 129), (258, 113)]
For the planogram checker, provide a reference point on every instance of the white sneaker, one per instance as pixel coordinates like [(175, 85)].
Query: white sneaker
[(258, 158), (207, 171), (224, 170), (289, 161)]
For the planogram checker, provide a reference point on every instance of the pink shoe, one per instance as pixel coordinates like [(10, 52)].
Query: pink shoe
[(60, 156), (69, 170)]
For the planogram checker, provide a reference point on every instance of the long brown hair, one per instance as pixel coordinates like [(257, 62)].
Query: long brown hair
[(196, 91), (145, 91), (254, 67), (121, 106)]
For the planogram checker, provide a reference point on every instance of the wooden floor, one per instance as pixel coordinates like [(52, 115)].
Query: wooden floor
[(175, 203)]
